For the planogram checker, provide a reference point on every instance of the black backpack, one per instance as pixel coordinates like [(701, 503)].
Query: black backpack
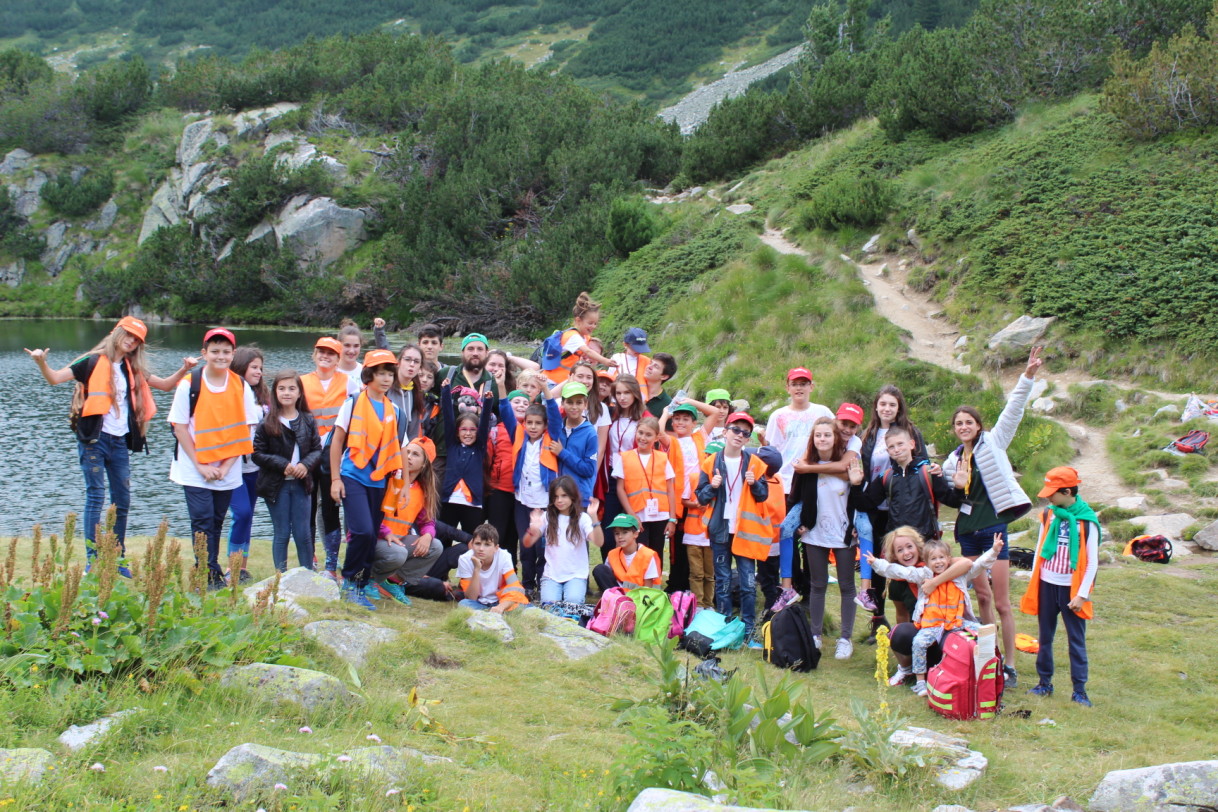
[(1022, 558), (787, 640)]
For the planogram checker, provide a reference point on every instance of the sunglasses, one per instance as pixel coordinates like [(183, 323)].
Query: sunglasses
[(742, 432)]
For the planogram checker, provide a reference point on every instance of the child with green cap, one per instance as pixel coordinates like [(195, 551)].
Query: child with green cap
[(629, 564)]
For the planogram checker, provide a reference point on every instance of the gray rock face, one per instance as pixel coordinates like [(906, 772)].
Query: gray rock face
[(249, 768), (1044, 405), (319, 230), (253, 123), (27, 196), (491, 623), (575, 641), (15, 161), (62, 246), (13, 274), (78, 737), (307, 153), (105, 219), (1171, 410), (1021, 333), (1163, 788), (286, 684), (693, 110), (872, 245), (297, 583), (24, 764), (349, 639), (739, 208), (1135, 502), (668, 800), (1207, 537), (164, 210), (194, 137), (963, 766), (1168, 524)]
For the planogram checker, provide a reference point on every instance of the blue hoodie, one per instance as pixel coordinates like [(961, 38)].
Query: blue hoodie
[(578, 456)]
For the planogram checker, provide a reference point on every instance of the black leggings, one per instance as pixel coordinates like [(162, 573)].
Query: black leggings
[(500, 509), (467, 517)]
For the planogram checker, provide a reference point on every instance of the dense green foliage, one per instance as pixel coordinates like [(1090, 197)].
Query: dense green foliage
[(17, 240), (74, 198)]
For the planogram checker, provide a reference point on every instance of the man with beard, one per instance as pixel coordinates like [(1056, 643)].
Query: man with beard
[(472, 370)]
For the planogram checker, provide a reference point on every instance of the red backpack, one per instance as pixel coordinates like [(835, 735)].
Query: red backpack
[(1155, 549), (684, 607), (957, 688), (614, 613), (1192, 442)]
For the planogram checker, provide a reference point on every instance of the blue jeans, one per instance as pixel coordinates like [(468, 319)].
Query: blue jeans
[(207, 509), (786, 541), (862, 525), (572, 591), (290, 517), (244, 499), (476, 606), (1054, 600), (108, 458), (362, 509), (977, 542), (746, 568)]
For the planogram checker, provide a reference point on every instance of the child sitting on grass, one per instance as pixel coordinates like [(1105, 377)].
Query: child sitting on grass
[(488, 578), (629, 564), (947, 607)]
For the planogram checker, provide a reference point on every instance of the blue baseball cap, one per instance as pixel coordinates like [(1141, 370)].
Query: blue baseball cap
[(636, 339)]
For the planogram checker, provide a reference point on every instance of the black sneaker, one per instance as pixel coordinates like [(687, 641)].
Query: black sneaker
[(1009, 675), (244, 577)]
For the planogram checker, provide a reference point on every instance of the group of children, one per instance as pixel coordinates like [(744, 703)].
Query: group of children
[(507, 468)]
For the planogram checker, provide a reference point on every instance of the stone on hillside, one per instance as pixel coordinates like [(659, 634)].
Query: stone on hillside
[(320, 230), (1168, 524), (78, 737), (882, 270), (1135, 502), (491, 623), (951, 808), (962, 766), (1021, 333), (24, 764), (54, 234), (1207, 537), (295, 584), (739, 208), (1120, 405), (55, 260), (252, 123), (1039, 387), (262, 233), (1172, 484), (1044, 405), (194, 136), (1067, 804), (575, 641), (961, 342), (351, 640), (669, 800), (109, 213), (13, 274), (1076, 432), (1163, 788), (15, 161), (914, 239), (284, 683), (252, 768), (27, 197), (872, 245), (165, 209), (1171, 410), (1030, 808)]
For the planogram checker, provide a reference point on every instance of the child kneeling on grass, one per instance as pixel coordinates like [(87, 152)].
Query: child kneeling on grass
[(947, 607), (629, 564), (1063, 573), (488, 578)]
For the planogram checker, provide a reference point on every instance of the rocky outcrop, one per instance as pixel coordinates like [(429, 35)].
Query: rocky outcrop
[(1171, 525), (1164, 788), (575, 641), (693, 110), (284, 684), (491, 623), (962, 766), (294, 585), (24, 764), (13, 273), (1207, 537), (253, 123), (1021, 333), (349, 639), (318, 230)]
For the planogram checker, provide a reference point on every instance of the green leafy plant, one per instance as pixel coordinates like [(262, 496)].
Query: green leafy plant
[(870, 747)]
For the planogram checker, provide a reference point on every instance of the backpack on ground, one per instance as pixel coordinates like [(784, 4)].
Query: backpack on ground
[(1022, 558), (721, 632), (968, 682), (581, 613), (787, 640), (652, 614), (551, 351), (1155, 549), (614, 613), (1192, 442), (684, 607)]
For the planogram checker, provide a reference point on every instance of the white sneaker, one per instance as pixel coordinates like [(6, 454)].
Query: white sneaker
[(898, 679), (816, 641), (844, 649), (920, 687)]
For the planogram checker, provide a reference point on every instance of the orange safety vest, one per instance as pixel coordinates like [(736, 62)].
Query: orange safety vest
[(221, 430), (510, 591), (402, 506), (776, 508), (563, 371), (99, 394), (1030, 605), (754, 530), (944, 607), (695, 517), (324, 403), (637, 570), (367, 434), (645, 483), (548, 460), (677, 458)]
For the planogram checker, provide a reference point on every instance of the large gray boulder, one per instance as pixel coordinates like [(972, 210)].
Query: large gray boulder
[(1021, 333), (296, 584), (351, 640), (319, 230), (307, 153), (1207, 537), (1171, 525), (27, 196), (961, 766), (253, 123), (165, 209), (24, 764), (78, 737), (669, 800), (15, 161), (1164, 788), (13, 274), (575, 641), (276, 684), (194, 139)]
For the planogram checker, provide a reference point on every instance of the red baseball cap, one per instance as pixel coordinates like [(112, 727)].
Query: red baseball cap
[(1061, 477), (220, 332), (797, 373), (745, 416), (851, 412)]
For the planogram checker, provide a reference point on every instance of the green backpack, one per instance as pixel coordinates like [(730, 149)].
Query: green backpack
[(652, 614)]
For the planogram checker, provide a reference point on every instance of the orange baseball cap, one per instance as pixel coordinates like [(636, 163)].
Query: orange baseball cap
[(134, 326), (606, 373), (1061, 477), (425, 443), (328, 343), (376, 358)]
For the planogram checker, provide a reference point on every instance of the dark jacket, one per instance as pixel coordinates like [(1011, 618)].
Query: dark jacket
[(804, 492), (465, 462), (578, 456), (717, 524), (908, 500), (88, 429), (868, 452), (272, 454)]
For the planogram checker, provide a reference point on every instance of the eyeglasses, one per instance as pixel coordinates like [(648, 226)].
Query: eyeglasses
[(745, 433)]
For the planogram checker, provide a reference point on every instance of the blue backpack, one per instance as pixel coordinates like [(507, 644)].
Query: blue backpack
[(709, 625), (551, 351)]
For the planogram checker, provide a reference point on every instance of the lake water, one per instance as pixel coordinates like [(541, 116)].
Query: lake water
[(41, 465)]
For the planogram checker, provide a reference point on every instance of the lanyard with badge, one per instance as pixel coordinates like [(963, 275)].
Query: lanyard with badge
[(651, 508)]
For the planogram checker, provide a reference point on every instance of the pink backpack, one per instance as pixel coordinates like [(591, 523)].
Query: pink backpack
[(956, 688), (684, 607), (614, 613)]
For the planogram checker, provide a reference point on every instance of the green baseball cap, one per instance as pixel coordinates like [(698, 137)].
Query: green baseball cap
[(718, 394), (472, 337), (516, 393), (714, 447), (625, 520), (572, 389), (687, 408)]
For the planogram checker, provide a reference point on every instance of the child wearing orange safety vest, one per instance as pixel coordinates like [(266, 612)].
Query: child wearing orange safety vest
[(407, 547), (629, 564), (947, 607), (1063, 574), (645, 485), (686, 445), (213, 434), (768, 571), (635, 359), (487, 577), (364, 454), (534, 467)]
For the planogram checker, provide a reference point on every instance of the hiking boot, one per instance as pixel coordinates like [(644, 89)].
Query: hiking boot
[(899, 678), (395, 591), (865, 600), (919, 687), (1009, 675), (354, 595), (787, 597), (1081, 698), (1042, 689), (844, 649)]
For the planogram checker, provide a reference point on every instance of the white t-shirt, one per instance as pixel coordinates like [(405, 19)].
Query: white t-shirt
[(831, 517), (287, 424), (689, 455), (733, 486), (353, 375), (788, 430), (114, 422), (603, 419), (621, 438), (880, 461), (183, 471), (619, 472), (565, 560), (627, 365), (492, 576), (574, 343), (532, 494), (653, 570)]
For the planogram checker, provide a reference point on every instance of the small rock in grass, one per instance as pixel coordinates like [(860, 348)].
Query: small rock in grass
[(669, 800), (78, 737), (27, 764), (351, 640), (297, 583), (492, 623), (284, 683), (1162, 788)]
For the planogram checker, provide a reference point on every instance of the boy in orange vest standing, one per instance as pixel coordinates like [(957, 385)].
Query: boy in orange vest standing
[(732, 483), (211, 419), (1063, 573)]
